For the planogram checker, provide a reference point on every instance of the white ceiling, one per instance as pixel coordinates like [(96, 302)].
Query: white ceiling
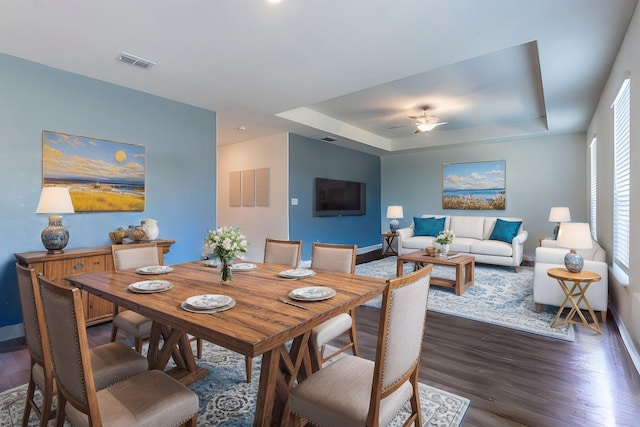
[(350, 69)]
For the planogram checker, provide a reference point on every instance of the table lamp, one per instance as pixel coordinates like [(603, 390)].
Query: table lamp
[(574, 235), (393, 213), (55, 201), (558, 215)]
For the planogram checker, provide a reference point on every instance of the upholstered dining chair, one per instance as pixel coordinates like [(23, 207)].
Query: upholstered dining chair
[(342, 259), (285, 252), (134, 324), (150, 398), (111, 362), (353, 391)]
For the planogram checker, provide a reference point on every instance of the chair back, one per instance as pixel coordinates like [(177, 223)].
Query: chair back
[(34, 329), (66, 328), (285, 252), (403, 316), (135, 255), (332, 257)]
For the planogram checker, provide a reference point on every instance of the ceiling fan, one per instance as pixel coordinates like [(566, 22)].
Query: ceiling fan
[(425, 122)]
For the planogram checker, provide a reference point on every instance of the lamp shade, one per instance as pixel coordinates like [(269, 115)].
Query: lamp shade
[(575, 235), (559, 214), (394, 212), (55, 200)]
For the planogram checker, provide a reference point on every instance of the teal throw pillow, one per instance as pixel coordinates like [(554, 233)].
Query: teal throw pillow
[(505, 230), (427, 226)]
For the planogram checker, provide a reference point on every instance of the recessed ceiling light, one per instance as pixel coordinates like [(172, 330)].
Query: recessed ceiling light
[(274, 1), (241, 128)]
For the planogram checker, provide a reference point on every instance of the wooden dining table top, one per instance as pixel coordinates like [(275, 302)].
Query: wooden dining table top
[(258, 322)]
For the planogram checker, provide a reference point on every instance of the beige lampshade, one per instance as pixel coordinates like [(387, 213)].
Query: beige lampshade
[(394, 212), (559, 214), (574, 235), (55, 200)]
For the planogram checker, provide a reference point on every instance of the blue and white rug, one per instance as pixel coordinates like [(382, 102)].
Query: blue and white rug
[(227, 400), (500, 296)]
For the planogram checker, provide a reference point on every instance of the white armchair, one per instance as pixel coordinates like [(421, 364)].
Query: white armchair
[(546, 290)]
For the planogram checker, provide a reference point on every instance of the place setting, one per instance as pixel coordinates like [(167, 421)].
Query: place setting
[(208, 303), (150, 286), (243, 266), (312, 293), (297, 273), (154, 269)]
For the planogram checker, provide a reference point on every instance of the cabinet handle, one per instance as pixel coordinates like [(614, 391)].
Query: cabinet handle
[(78, 266)]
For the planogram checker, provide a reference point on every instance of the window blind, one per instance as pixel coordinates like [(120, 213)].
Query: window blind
[(621, 178), (593, 202)]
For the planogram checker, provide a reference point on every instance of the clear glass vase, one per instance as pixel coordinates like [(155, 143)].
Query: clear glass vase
[(226, 275)]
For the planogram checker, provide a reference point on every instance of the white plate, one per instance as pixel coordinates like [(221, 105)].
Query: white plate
[(190, 309), (208, 301), (297, 273), (150, 286), (312, 293), (154, 269), (243, 266)]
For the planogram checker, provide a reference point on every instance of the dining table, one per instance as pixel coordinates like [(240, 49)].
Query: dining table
[(264, 319)]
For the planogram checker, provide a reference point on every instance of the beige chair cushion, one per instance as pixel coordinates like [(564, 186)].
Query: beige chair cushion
[(133, 323), (330, 329), (151, 399), (114, 362), (330, 395)]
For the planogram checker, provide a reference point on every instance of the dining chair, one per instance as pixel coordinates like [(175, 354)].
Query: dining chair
[(353, 391), (134, 324), (111, 362), (150, 398), (284, 252), (342, 259)]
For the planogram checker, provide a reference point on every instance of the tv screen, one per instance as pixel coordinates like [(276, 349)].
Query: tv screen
[(334, 197)]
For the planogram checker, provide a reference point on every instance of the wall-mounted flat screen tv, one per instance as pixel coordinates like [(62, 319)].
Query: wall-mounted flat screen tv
[(333, 197)]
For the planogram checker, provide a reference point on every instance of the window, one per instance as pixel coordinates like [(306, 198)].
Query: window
[(593, 194), (621, 180)]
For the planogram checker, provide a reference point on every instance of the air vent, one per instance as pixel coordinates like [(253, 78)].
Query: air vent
[(135, 61), (328, 139)]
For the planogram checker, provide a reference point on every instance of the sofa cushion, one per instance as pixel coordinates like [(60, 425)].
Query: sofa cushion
[(467, 226), (505, 231), (462, 244), (418, 242), (491, 247), (427, 226)]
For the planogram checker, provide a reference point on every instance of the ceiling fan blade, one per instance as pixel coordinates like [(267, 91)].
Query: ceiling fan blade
[(400, 126)]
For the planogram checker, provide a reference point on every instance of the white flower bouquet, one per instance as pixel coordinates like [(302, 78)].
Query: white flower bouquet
[(225, 243), (445, 237)]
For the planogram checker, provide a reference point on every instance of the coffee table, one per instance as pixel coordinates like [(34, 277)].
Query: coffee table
[(464, 265)]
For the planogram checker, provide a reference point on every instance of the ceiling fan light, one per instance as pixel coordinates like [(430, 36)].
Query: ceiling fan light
[(426, 127)]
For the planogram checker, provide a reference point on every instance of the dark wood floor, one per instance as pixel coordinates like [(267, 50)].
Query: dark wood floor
[(512, 378)]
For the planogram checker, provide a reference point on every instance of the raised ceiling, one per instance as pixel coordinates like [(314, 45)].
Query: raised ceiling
[(492, 69)]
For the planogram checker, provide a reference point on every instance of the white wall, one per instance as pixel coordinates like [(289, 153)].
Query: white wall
[(257, 222), (627, 61)]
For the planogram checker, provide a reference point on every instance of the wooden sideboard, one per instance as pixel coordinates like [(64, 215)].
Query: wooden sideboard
[(81, 260)]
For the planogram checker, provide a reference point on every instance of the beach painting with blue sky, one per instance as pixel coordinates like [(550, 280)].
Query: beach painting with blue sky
[(102, 175), (474, 186)]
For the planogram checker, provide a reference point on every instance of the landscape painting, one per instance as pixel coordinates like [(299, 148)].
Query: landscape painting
[(102, 175), (474, 186)]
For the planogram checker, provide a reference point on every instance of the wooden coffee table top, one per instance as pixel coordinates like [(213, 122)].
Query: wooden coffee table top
[(421, 256)]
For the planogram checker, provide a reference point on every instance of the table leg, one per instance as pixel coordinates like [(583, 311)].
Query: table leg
[(399, 267), (570, 294), (280, 369)]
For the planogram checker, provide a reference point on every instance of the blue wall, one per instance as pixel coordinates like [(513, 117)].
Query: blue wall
[(309, 159), (180, 143)]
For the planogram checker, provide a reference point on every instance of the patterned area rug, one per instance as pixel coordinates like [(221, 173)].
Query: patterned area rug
[(227, 400), (500, 296)]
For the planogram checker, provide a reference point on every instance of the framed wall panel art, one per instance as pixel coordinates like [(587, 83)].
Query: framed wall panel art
[(474, 186), (102, 175)]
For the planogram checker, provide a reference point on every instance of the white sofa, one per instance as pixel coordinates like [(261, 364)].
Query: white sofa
[(471, 237), (546, 290)]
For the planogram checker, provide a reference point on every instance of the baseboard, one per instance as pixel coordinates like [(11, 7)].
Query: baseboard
[(11, 332), (626, 339)]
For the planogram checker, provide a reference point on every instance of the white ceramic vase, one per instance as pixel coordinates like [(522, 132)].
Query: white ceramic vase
[(150, 227), (444, 249)]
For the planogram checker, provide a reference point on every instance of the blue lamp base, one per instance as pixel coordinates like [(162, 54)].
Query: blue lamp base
[(393, 225), (573, 262)]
